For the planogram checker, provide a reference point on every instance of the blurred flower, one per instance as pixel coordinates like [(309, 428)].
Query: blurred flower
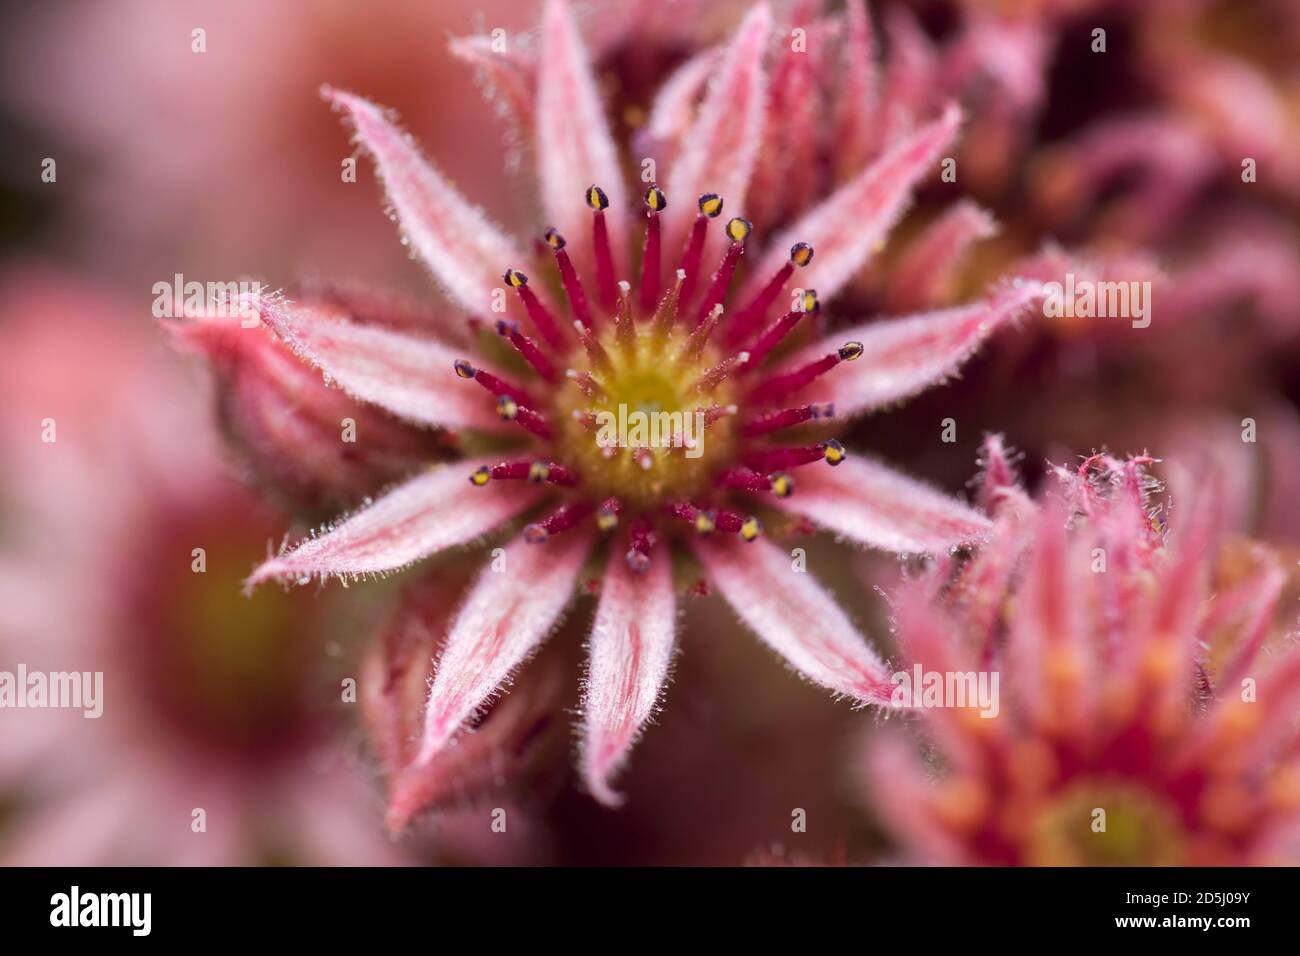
[(1147, 713), (553, 381), (122, 545)]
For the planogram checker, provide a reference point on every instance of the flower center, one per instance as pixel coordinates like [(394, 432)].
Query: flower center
[(644, 431), (1106, 823)]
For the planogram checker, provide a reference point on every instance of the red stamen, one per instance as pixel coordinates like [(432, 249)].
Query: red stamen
[(743, 478), (595, 351), (692, 255), (533, 470), (666, 313), (590, 387), (641, 539), (786, 418), (564, 518), (715, 376), (569, 277), (650, 267), (781, 385), (722, 278), (624, 331), (698, 338), (540, 315), (777, 459), (529, 349), (771, 337), (752, 314), (494, 384), (607, 514), (604, 259), (717, 412), (533, 422)]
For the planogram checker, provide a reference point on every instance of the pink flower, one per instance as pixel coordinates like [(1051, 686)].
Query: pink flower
[(1147, 696), (123, 544), (605, 313)]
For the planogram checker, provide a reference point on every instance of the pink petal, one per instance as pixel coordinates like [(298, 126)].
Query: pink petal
[(509, 612), (931, 263), (795, 617), (574, 146), (410, 377), (857, 95), (463, 249), (674, 105), (507, 78), (902, 357), (719, 153), (874, 505), (849, 226), (436, 510), (631, 649)]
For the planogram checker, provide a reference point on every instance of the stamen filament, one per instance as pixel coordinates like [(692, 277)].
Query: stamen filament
[(569, 277), (538, 314), (737, 229), (786, 418), (565, 517), (493, 383), (781, 385), (715, 376), (529, 349), (744, 320)]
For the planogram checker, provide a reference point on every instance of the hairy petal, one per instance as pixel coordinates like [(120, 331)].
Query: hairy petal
[(719, 153), (410, 377), (848, 226), (925, 273), (795, 617), (674, 105), (858, 93), (574, 146), (631, 649), (439, 509), (874, 505), (507, 76), (902, 357), (463, 249), (507, 615)]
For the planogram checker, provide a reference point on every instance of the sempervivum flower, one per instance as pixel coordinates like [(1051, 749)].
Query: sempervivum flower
[(1147, 716), (545, 380), (123, 545)]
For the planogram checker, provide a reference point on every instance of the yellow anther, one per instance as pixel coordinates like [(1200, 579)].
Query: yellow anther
[(850, 351), (711, 205), (515, 279), (507, 407), (538, 472), (782, 484), (655, 198), (606, 519), (705, 523), (536, 534), (835, 452), (464, 369), (808, 301), (554, 239), (801, 254), (739, 229), (750, 529), (596, 198), (481, 476)]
